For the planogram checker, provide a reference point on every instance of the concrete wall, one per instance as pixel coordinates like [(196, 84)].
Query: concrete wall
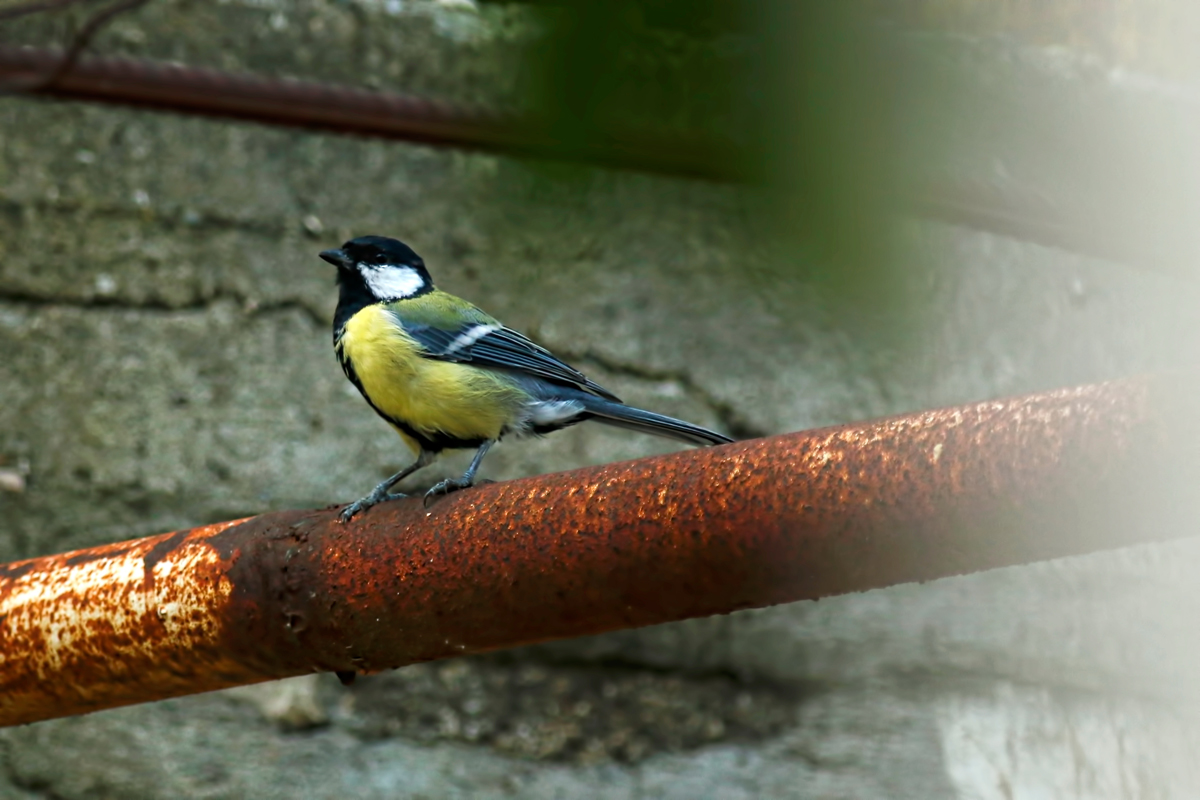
[(164, 331)]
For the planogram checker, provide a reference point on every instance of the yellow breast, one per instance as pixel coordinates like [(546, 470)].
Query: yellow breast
[(462, 401)]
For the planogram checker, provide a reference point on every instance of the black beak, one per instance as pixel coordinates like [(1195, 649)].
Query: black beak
[(336, 257)]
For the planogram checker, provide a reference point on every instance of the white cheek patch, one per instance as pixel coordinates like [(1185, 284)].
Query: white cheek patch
[(391, 283)]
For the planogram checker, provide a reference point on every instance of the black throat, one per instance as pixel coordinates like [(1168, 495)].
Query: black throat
[(353, 297)]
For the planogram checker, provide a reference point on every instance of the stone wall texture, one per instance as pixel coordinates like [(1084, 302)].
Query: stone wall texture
[(165, 362)]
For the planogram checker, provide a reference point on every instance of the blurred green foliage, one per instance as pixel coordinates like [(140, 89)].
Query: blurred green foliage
[(811, 100)]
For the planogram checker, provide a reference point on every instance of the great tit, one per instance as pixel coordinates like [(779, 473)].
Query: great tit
[(447, 376)]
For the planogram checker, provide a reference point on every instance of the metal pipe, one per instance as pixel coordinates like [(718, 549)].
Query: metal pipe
[(342, 109), (1005, 209), (701, 532)]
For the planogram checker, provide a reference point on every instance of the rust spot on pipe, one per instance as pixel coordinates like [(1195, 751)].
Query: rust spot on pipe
[(92, 629), (695, 533)]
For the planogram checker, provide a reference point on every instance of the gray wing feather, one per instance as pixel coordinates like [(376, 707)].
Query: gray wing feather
[(499, 347)]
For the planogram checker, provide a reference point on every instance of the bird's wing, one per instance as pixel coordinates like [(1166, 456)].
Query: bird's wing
[(490, 344)]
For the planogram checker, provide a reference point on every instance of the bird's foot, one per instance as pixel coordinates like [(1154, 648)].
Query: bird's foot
[(446, 487), (373, 499)]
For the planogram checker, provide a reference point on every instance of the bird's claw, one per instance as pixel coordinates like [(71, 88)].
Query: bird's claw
[(359, 506), (445, 487)]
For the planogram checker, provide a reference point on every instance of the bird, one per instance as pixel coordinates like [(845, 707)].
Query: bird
[(447, 376)]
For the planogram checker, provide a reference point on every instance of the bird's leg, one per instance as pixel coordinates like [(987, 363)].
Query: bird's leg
[(380, 493), (468, 479)]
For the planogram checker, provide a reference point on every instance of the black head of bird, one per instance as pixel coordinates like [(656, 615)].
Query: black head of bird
[(386, 268)]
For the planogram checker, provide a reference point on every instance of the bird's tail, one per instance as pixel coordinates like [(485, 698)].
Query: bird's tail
[(635, 419)]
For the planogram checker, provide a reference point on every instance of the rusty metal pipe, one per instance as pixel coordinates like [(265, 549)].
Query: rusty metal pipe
[(343, 109), (695, 533), (1008, 210)]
